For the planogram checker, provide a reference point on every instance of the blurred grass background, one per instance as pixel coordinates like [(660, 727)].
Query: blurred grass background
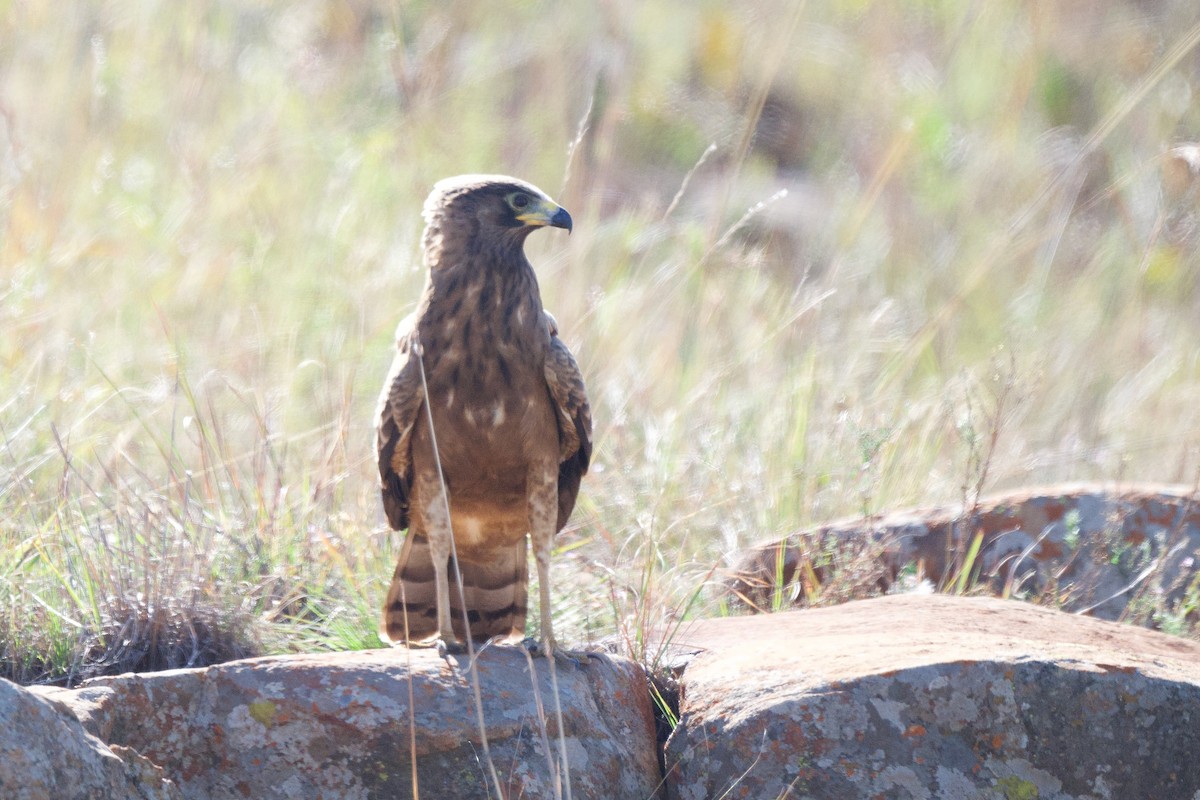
[(830, 258)]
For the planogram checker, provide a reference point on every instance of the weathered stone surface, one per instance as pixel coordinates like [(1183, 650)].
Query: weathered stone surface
[(45, 754), (935, 697), (1094, 545), (337, 726)]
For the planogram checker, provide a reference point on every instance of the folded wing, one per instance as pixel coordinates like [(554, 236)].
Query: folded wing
[(569, 396), (399, 405)]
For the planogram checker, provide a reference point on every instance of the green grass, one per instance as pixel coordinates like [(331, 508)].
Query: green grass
[(209, 225)]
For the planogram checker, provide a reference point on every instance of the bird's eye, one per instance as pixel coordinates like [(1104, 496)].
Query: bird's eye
[(519, 200)]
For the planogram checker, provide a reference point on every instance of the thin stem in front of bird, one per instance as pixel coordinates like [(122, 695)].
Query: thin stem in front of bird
[(565, 772), (541, 717), (419, 352), (412, 709)]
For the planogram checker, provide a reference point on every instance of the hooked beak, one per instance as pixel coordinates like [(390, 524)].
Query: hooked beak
[(545, 212)]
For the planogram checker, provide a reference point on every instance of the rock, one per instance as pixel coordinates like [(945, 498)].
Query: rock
[(1092, 548), (337, 725), (935, 697), (45, 754)]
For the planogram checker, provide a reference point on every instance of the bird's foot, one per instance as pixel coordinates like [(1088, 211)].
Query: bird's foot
[(450, 646)]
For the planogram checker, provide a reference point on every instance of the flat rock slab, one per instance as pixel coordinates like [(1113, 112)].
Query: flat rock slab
[(338, 726), (935, 697)]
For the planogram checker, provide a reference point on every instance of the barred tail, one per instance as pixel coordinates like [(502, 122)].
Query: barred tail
[(494, 584)]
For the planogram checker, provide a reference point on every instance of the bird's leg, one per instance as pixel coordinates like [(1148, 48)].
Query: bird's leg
[(543, 516), (447, 641), (437, 522)]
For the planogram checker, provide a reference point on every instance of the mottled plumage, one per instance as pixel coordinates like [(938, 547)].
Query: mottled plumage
[(510, 418)]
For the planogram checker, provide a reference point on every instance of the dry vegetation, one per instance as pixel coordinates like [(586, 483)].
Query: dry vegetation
[(208, 230)]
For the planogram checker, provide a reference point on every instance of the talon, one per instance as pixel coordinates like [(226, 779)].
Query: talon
[(534, 647), (450, 647)]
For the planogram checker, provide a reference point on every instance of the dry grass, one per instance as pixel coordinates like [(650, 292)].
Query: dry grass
[(208, 229)]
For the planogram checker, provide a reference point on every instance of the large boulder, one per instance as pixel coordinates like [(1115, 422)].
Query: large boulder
[(338, 725), (935, 697), (1090, 547), (45, 754)]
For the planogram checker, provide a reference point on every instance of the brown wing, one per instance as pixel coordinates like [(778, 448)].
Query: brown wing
[(574, 421), (399, 404)]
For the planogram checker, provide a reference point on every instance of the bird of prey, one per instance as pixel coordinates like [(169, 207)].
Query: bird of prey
[(485, 402)]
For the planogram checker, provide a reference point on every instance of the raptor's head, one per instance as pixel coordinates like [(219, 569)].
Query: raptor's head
[(493, 211)]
